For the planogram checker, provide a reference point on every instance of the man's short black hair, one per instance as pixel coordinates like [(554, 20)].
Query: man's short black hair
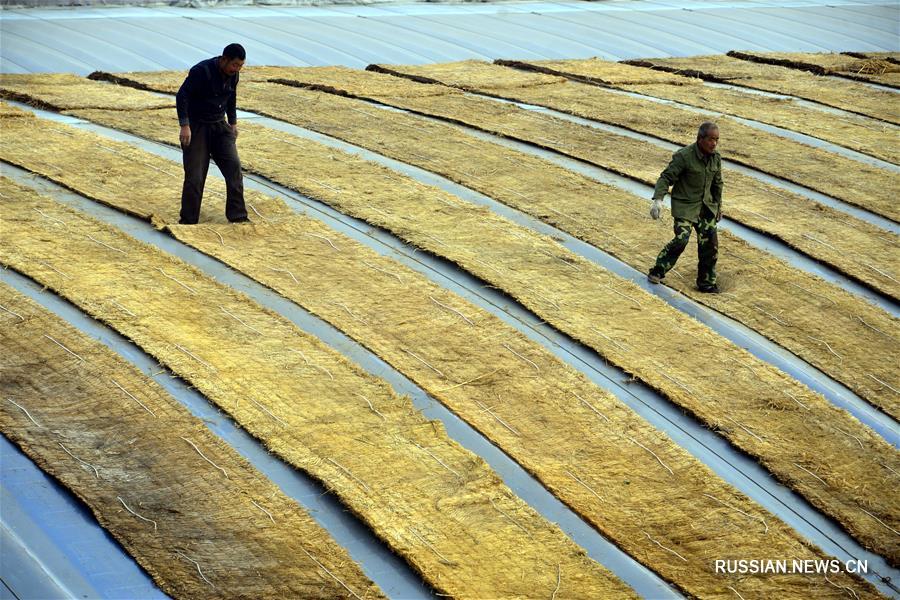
[(233, 51)]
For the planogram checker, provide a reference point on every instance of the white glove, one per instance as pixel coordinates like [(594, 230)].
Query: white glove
[(655, 209)]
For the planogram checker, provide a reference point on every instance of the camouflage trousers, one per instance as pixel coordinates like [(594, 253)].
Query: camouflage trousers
[(707, 248)]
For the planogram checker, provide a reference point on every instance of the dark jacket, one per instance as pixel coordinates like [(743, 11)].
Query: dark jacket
[(695, 180), (207, 95)]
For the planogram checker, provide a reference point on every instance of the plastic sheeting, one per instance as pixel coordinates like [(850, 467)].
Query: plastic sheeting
[(152, 37)]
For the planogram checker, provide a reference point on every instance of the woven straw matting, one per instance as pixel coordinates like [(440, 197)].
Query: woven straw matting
[(810, 441), (851, 96), (433, 502), (757, 286), (193, 513), (615, 221), (853, 182), (859, 249), (871, 69), (574, 437), (891, 57), (856, 132), (7, 111), (68, 91)]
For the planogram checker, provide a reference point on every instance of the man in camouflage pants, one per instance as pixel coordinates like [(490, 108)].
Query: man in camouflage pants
[(695, 174)]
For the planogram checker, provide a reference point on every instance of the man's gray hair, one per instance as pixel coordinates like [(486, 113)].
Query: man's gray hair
[(705, 128)]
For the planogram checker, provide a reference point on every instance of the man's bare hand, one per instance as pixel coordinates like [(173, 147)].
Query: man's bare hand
[(185, 136), (234, 130)]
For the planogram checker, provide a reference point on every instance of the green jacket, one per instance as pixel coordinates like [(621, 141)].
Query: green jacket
[(695, 180)]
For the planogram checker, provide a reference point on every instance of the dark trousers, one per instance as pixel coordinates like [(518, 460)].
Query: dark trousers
[(707, 248), (216, 140)]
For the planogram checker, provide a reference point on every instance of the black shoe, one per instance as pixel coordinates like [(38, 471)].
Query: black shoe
[(183, 222), (654, 278), (709, 289), (241, 220)]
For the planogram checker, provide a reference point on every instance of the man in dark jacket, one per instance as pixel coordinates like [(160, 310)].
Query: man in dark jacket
[(695, 174), (207, 96)]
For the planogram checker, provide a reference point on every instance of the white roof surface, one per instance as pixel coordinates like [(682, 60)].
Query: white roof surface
[(85, 39)]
